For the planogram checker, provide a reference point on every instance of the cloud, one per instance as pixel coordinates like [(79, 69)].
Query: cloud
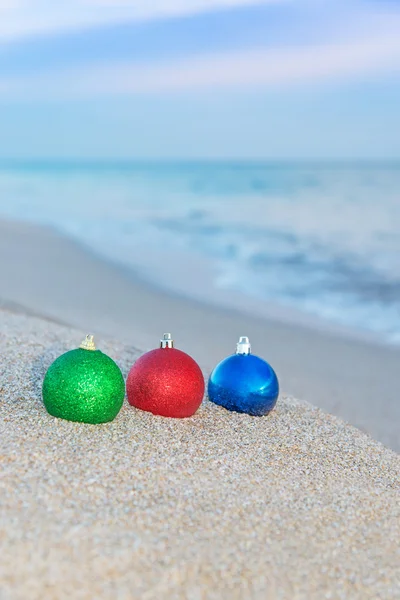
[(21, 18), (272, 68), (269, 68), (356, 43)]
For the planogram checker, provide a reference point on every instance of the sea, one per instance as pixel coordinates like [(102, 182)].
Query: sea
[(322, 240)]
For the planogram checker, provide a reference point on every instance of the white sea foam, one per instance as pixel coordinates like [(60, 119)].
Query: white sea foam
[(323, 240)]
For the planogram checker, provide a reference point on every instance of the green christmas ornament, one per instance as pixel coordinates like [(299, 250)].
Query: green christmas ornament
[(84, 385)]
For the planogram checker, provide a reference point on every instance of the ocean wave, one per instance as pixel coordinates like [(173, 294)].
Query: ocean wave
[(325, 241)]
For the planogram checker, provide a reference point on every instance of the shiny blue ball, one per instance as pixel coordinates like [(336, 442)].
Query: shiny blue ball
[(244, 383)]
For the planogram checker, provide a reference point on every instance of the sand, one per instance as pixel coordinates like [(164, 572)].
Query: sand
[(296, 505), (46, 274)]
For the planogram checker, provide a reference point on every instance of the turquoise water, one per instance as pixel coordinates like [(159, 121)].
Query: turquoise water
[(323, 239)]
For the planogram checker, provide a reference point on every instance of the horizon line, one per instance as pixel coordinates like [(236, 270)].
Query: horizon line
[(132, 161)]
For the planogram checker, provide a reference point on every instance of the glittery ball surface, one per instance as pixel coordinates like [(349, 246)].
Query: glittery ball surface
[(85, 386), (166, 382), (244, 383)]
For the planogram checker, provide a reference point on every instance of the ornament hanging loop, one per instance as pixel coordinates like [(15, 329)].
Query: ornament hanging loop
[(167, 341)]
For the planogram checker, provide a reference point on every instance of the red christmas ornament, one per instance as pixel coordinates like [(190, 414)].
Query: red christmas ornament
[(166, 382)]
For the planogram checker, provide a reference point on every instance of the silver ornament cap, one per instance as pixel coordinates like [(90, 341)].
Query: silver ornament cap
[(243, 346), (167, 341)]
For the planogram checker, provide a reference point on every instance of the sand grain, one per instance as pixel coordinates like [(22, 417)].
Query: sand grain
[(295, 505)]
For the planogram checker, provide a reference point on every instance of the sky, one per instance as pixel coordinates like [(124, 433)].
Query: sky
[(200, 79)]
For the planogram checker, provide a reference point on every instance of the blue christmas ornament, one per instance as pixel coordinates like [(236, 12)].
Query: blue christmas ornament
[(244, 383)]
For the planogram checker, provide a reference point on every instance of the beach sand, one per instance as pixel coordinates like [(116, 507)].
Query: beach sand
[(296, 505), (46, 274)]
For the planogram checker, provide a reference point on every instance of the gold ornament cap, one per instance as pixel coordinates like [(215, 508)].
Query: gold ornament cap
[(88, 343)]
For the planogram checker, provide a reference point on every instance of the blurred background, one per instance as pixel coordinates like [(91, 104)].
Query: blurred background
[(230, 150)]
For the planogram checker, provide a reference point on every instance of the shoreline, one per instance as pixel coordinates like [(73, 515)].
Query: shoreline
[(228, 301), (311, 262), (51, 276), (233, 301)]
